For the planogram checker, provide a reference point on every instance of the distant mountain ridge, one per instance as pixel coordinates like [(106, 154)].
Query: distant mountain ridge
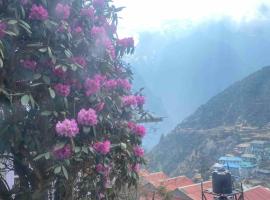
[(238, 114), (246, 101)]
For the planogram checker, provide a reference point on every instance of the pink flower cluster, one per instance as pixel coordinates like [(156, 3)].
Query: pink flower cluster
[(87, 117), (126, 42), (62, 11), (133, 100), (124, 83), (138, 151), (101, 169), (67, 128), (88, 12), (62, 153), (93, 85), (29, 64), (3, 28), (136, 168), (99, 4), (79, 60), (78, 30), (138, 130), (103, 147), (114, 83), (59, 72), (38, 12), (110, 48), (98, 32), (62, 89), (111, 84)]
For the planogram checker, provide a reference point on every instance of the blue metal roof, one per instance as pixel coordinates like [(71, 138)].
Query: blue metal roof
[(232, 159), (229, 165)]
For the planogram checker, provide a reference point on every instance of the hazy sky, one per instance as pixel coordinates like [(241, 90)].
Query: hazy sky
[(149, 15)]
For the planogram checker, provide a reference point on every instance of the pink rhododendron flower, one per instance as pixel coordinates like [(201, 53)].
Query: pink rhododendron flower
[(138, 151), (62, 153), (59, 72), (110, 48), (88, 12), (98, 32), (79, 60), (78, 30), (136, 168), (131, 125), (130, 100), (110, 84), (62, 89), (126, 42), (92, 86), (87, 117), (138, 130), (140, 100), (124, 83), (3, 28), (67, 128), (29, 64), (99, 4), (38, 12), (99, 107), (101, 169), (62, 11), (103, 147)]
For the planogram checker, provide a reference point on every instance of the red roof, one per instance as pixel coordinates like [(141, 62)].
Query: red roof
[(176, 182), (155, 178), (257, 193), (143, 173), (194, 191)]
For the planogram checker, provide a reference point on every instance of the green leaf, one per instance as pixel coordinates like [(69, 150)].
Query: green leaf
[(46, 113), (57, 170), (25, 100), (46, 79), (68, 53), (43, 49), (37, 76), (123, 146), (85, 150), (32, 101), (65, 172), (39, 156), (10, 33), (86, 129), (1, 63), (52, 93), (12, 22), (77, 149), (47, 155)]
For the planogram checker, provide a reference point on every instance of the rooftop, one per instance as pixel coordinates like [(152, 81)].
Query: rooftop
[(194, 191), (257, 193), (176, 182), (156, 178), (247, 155), (243, 145), (230, 158), (258, 142)]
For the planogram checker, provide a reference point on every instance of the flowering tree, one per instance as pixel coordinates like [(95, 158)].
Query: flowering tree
[(68, 116)]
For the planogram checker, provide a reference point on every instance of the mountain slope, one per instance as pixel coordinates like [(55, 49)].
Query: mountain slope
[(238, 114), (247, 101)]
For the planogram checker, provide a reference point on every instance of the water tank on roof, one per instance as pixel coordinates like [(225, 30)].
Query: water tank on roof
[(222, 182)]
